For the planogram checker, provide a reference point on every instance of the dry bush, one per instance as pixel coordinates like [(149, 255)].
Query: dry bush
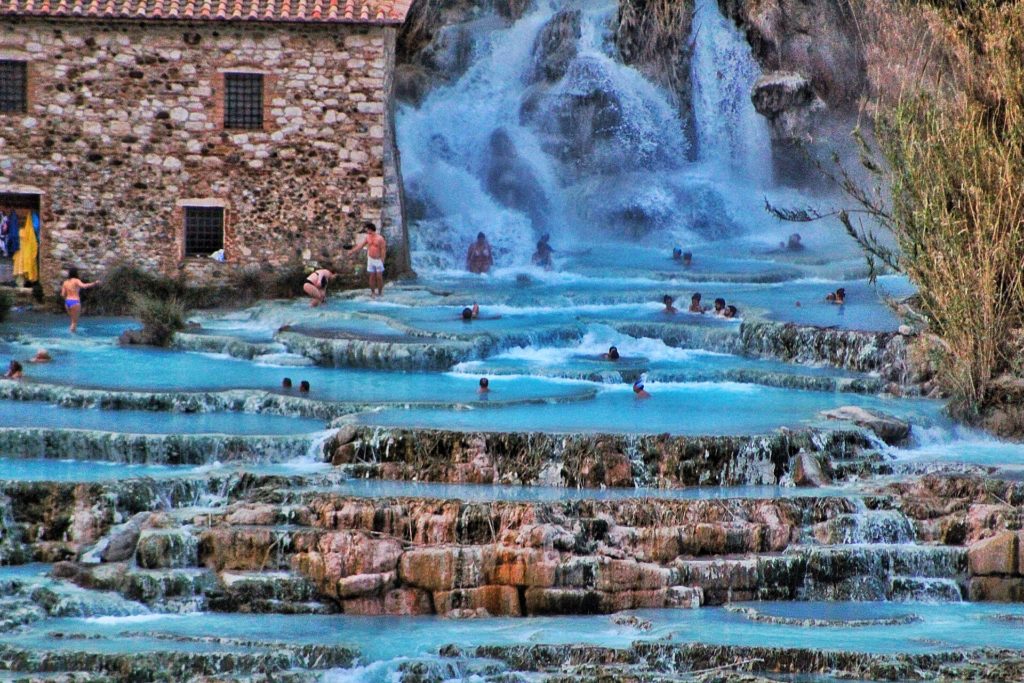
[(906, 45), (956, 177)]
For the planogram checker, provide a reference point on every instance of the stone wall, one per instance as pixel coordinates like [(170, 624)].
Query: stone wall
[(125, 121)]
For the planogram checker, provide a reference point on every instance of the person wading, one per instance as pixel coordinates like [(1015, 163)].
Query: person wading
[(376, 252)]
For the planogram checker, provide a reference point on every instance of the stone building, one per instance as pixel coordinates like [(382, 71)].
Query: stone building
[(158, 132)]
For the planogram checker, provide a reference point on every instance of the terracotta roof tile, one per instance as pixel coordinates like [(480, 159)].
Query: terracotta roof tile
[(309, 11)]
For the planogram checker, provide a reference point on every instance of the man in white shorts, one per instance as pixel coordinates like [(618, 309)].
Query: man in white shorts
[(376, 252)]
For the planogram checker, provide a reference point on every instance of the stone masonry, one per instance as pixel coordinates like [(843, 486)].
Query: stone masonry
[(124, 128)]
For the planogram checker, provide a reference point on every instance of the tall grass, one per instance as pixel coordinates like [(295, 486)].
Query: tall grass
[(956, 175)]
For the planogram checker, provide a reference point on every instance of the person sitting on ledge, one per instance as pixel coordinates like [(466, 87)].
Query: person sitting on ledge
[(286, 383), (14, 371), (304, 386), (695, 306), (613, 354), (719, 307), (687, 259), (485, 387), (668, 301), (677, 253), (638, 390), (730, 312), (42, 356)]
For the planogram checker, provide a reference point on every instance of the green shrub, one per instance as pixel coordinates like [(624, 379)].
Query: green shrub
[(160, 318)]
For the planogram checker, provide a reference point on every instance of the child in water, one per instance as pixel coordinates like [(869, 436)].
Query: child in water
[(485, 387), (695, 306), (613, 354), (668, 301), (71, 292), (638, 390)]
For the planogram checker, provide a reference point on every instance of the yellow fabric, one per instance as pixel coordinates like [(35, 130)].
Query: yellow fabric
[(26, 260)]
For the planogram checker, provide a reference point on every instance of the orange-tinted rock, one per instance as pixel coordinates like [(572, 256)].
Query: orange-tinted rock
[(261, 514), (366, 607), (407, 602), (629, 575), (995, 555), (498, 601), (360, 585), (246, 548), (807, 471), (519, 566), (442, 569), (996, 589)]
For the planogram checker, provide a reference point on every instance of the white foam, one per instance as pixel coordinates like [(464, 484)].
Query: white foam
[(597, 340), (133, 618)]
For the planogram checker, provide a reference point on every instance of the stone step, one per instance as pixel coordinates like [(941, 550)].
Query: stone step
[(277, 592), (882, 571)]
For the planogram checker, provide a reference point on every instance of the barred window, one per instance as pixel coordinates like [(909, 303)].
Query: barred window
[(243, 101), (13, 86), (204, 230)]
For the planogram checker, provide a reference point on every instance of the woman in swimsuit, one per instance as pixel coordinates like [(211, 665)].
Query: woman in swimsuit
[(14, 371), (71, 292), (316, 286)]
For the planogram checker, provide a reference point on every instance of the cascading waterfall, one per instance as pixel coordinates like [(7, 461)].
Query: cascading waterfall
[(732, 136), (548, 132)]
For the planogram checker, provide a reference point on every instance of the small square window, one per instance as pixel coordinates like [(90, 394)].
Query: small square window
[(204, 230), (13, 86), (243, 101)]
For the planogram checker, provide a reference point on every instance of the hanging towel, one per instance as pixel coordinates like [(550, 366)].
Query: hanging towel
[(26, 261), (13, 241)]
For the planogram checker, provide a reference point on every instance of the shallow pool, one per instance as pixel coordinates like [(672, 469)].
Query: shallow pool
[(35, 415), (18, 469), (147, 369), (942, 626), (695, 408)]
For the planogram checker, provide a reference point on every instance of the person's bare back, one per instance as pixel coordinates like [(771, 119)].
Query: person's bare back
[(71, 289)]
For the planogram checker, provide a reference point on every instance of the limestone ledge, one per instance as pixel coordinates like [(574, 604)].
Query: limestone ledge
[(881, 352), (422, 556), (210, 343), (152, 449), (435, 352), (232, 400), (564, 663), (270, 658), (582, 460)]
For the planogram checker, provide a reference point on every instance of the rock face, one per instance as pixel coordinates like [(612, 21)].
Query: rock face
[(817, 40), (889, 429), (581, 460), (789, 103), (433, 47), (555, 46), (653, 37), (997, 567)]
